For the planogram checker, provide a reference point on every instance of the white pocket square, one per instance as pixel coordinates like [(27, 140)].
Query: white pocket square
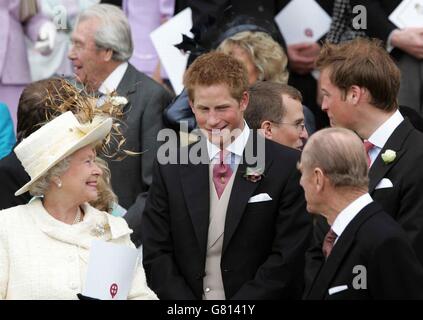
[(384, 183), (337, 289), (260, 198)]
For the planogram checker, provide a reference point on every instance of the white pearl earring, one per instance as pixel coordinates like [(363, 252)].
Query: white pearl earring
[(59, 184)]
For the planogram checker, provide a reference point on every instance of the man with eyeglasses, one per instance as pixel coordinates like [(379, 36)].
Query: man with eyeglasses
[(277, 110)]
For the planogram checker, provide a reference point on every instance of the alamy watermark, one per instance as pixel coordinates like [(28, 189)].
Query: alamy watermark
[(360, 280), (60, 17), (359, 22), (174, 148)]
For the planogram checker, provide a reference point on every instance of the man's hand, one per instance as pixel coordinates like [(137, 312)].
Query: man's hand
[(302, 56), (409, 40), (46, 38)]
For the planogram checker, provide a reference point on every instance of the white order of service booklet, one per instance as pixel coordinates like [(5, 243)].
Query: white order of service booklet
[(164, 39), (303, 21), (110, 271), (409, 13)]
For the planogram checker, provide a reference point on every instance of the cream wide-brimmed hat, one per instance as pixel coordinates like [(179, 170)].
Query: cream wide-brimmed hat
[(55, 141)]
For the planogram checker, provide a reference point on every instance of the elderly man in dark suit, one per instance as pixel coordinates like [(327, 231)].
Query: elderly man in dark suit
[(360, 83), (365, 255), (230, 222), (101, 47)]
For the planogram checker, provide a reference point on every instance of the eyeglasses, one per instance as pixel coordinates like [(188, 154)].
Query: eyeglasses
[(299, 126)]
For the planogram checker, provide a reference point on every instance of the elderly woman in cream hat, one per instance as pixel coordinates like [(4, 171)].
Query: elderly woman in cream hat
[(44, 245)]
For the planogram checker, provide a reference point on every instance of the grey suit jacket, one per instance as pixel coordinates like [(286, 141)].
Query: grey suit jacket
[(131, 177)]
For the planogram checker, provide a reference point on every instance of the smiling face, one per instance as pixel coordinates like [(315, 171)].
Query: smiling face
[(218, 113), (89, 62), (80, 180)]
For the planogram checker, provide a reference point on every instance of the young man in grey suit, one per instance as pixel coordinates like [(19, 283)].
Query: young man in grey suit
[(360, 83), (365, 255), (101, 48), (230, 221)]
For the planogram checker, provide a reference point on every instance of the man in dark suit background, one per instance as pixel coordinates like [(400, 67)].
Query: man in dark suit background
[(366, 254), (101, 48), (360, 83), (233, 226)]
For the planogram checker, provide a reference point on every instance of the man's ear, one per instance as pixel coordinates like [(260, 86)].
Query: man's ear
[(319, 179), (108, 55), (243, 104), (354, 94), (191, 104), (266, 128)]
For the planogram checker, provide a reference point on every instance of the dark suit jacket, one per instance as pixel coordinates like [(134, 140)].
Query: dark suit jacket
[(12, 178), (201, 9), (404, 201), (372, 240), (131, 177), (264, 243)]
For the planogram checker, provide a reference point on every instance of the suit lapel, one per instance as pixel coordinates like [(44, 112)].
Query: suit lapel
[(342, 247), (315, 260), (128, 85), (242, 190), (195, 187), (395, 142)]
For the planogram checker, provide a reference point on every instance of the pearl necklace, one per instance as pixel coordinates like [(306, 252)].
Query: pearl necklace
[(78, 217)]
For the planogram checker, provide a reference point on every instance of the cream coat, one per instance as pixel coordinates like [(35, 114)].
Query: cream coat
[(44, 258)]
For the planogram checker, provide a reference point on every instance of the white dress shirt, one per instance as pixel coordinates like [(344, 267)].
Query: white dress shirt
[(235, 149), (382, 134), (349, 213), (112, 81)]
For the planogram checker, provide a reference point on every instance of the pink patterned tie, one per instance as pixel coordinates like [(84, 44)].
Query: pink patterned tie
[(368, 146), (221, 174)]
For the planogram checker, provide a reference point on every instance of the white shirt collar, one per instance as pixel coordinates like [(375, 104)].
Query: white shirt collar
[(237, 147), (112, 81), (349, 213), (382, 134)]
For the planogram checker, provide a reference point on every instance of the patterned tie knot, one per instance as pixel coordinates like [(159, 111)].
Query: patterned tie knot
[(329, 242)]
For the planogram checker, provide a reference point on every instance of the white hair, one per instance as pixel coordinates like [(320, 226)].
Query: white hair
[(114, 31), (40, 187)]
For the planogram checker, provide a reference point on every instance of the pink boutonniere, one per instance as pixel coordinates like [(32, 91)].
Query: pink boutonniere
[(254, 174)]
